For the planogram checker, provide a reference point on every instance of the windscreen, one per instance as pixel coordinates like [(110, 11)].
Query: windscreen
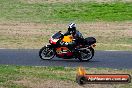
[(57, 35)]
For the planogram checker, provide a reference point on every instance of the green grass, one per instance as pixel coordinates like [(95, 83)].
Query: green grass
[(10, 75), (14, 10)]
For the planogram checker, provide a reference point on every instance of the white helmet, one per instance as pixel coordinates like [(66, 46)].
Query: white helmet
[(72, 25)]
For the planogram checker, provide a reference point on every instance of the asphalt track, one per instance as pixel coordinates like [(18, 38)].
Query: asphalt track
[(29, 57)]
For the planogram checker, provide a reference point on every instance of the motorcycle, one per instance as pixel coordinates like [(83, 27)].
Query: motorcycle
[(59, 47)]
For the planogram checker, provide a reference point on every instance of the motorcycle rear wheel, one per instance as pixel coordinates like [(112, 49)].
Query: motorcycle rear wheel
[(86, 54), (46, 53)]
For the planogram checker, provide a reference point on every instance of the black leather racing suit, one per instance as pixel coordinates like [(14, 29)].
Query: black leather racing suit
[(78, 39)]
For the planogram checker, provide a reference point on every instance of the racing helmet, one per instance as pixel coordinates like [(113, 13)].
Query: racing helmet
[(72, 28)]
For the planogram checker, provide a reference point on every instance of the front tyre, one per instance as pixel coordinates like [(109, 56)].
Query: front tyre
[(46, 53), (86, 54)]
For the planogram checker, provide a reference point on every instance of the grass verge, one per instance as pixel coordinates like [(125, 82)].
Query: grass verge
[(15, 10), (38, 77)]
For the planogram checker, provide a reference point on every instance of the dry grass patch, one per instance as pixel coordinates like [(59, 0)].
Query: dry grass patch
[(35, 35), (37, 83), (38, 28), (34, 83)]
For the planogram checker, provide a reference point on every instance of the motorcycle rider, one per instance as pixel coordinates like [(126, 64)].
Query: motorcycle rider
[(77, 37)]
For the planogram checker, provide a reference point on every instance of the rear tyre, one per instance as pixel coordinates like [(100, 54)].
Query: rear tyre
[(86, 54), (46, 53)]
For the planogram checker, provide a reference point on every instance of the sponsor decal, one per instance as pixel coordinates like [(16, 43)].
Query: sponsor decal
[(62, 50)]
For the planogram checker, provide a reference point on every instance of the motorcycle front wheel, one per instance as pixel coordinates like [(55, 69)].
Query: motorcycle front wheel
[(86, 54), (46, 53)]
